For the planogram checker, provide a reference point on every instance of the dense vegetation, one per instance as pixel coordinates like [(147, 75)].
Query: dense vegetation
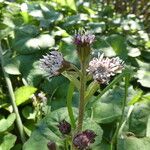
[(32, 105)]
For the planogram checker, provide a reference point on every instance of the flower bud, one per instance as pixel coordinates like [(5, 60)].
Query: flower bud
[(64, 127), (83, 140), (83, 41), (51, 145)]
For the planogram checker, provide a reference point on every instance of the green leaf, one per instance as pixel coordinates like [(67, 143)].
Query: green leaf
[(28, 45), (105, 113), (7, 141), (144, 77), (7, 123), (103, 146), (28, 112), (148, 127), (133, 143), (97, 27), (143, 74), (23, 94), (108, 108), (135, 98), (139, 117), (75, 20), (118, 43), (12, 66), (47, 130), (134, 52), (29, 68), (68, 49), (69, 3)]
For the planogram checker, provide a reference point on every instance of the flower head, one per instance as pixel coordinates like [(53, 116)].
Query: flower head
[(84, 139), (42, 97), (64, 127), (103, 68), (83, 38), (83, 41), (53, 63)]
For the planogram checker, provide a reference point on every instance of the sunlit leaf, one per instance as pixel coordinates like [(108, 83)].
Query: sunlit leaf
[(23, 94)]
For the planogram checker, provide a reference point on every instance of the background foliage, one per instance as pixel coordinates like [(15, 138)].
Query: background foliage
[(30, 29)]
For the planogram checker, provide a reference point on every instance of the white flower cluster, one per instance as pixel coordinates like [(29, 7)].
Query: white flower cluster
[(52, 63), (102, 68)]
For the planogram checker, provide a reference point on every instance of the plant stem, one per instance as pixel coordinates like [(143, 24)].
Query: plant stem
[(12, 97), (127, 117), (82, 96), (114, 139), (69, 104)]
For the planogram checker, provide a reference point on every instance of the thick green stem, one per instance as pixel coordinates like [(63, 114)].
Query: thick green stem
[(12, 97), (82, 96)]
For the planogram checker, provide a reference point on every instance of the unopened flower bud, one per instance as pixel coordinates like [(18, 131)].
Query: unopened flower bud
[(83, 140), (51, 145), (53, 63), (64, 127), (83, 41)]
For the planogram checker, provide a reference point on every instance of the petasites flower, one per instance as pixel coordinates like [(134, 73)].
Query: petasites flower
[(84, 38), (64, 127), (83, 140), (102, 68), (53, 63), (83, 41)]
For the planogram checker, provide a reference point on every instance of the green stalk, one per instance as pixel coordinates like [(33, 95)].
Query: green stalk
[(69, 104), (12, 97), (82, 96), (127, 117), (116, 134)]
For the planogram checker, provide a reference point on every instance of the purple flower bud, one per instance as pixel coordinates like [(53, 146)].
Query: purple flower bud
[(83, 140), (51, 145), (90, 135), (64, 127), (103, 68), (83, 41)]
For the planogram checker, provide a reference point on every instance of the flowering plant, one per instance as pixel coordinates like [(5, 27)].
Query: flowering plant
[(101, 69)]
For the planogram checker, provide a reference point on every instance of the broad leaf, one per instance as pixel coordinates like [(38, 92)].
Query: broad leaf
[(46, 131), (7, 141), (23, 94), (133, 143), (7, 123), (139, 118), (118, 43)]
